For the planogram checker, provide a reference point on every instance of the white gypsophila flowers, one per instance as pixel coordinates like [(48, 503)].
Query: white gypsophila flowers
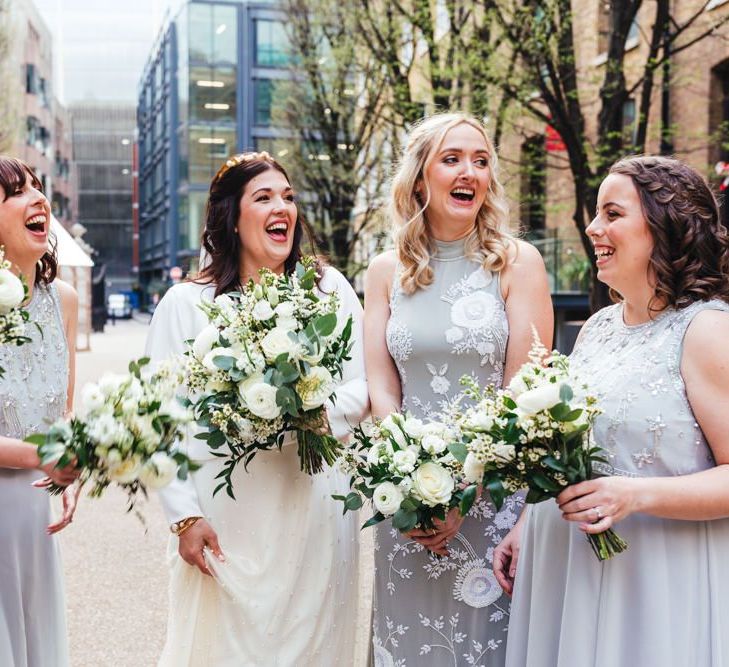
[(433, 484), (12, 291), (387, 498)]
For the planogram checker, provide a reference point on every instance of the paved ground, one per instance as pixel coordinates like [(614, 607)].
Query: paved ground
[(116, 578)]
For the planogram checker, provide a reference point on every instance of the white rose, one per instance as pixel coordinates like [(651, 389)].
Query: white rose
[(540, 398), (413, 427), (204, 341), (262, 311), (126, 471), (315, 387), (473, 469), (277, 342), (91, 398), (158, 471), (387, 498), (110, 383), (209, 359), (433, 484), (517, 386), (481, 421), (404, 461), (433, 444), (11, 291), (259, 397)]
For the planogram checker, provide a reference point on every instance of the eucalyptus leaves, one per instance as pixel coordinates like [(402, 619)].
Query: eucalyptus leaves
[(265, 365)]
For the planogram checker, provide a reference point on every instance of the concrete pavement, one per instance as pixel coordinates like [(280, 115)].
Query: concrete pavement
[(116, 577)]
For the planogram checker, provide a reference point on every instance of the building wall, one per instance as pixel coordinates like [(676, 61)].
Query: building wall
[(102, 140), (204, 95)]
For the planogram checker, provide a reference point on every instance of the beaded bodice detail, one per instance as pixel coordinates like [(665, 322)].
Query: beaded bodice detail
[(456, 326), (647, 427), (33, 391)]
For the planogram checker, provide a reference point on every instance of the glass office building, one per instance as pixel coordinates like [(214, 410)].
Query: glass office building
[(205, 94)]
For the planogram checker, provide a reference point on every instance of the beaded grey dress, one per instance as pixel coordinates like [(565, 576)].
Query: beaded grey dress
[(32, 393), (431, 611), (665, 601)]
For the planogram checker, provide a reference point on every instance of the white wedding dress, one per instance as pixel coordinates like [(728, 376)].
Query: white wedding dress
[(287, 593)]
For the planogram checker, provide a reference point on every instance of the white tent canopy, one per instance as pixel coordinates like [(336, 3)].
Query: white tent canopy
[(69, 252)]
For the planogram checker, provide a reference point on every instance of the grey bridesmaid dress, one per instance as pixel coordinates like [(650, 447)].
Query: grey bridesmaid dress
[(32, 393), (431, 611), (665, 601)]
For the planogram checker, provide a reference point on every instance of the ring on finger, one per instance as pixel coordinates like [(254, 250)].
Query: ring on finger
[(598, 513)]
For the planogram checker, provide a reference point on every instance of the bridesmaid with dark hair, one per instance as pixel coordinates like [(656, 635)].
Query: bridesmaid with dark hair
[(37, 388), (283, 559), (658, 361)]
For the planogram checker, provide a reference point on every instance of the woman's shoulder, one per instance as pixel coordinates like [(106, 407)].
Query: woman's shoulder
[(381, 269), (523, 256), (67, 297)]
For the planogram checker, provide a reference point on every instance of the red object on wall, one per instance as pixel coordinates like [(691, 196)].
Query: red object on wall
[(553, 140)]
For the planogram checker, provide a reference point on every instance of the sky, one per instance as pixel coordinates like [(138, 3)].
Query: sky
[(101, 46)]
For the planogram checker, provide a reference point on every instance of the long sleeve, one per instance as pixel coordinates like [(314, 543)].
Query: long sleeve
[(175, 320), (351, 404)]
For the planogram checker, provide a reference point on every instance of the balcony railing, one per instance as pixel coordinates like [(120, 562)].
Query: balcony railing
[(568, 268)]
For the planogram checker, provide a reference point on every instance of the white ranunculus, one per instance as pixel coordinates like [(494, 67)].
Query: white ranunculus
[(517, 386), (11, 291), (540, 398), (204, 341), (404, 461), (126, 470), (387, 498), (262, 311), (259, 397), (414, 427), (433, 444), (315, 387), (92, 398), (473, 311), (433, 484), (277, 342), (158, 471), (473, 469), (481, 421)]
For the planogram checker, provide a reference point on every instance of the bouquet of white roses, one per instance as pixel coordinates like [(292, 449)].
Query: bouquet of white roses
[(405, 467), (125, 433), (13, 291), (533, 435), (265, 365)]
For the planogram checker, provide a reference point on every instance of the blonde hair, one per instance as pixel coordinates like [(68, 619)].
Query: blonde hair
[(491, 238)]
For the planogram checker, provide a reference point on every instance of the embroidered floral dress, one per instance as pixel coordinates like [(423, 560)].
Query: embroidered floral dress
[(432, 611), (665, 601), (32, 394)]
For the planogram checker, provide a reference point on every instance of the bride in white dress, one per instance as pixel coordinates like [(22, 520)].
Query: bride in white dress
[(269, 579)]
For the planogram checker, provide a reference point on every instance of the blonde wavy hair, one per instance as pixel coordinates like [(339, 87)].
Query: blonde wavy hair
[(491, 239)]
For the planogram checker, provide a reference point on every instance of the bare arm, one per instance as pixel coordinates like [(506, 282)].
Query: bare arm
[(69, 307), (382, 376), (700, 496), (528, 303)]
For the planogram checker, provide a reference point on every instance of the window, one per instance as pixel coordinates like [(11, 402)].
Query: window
[(209, 148), (630, 126), (213, 32), (212, 94), (272, 44), (31, 79), (262, 100)]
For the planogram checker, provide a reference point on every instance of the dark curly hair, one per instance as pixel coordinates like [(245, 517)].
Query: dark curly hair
[(690, 257), (220, 237), (13, 175)]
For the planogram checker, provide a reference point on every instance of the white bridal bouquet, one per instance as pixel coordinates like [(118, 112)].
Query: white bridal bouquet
[(534, 435), (13, 291), (405, 467), (125, 433), (266, 365)]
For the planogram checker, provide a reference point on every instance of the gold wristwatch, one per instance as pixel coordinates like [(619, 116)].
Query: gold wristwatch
[(182, 525)]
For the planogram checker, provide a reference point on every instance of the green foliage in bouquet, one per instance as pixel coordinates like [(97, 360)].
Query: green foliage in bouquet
[(265, 366), (13, 317)]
